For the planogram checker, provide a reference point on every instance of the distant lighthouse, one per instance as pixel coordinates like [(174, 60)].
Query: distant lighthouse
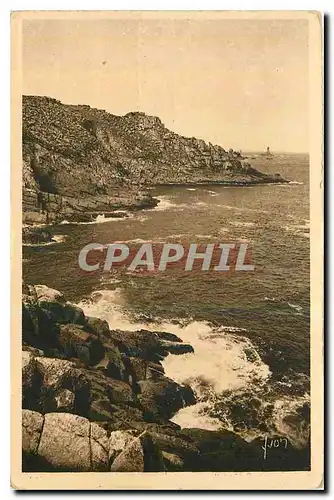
[(268, 154)]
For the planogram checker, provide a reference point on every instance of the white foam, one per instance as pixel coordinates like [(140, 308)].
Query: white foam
[(195, 416), (295, 306), (242, 224), (59, 238), (223, 361), (299, 229), (219, 360), (56, 238), (101, 219), (165, 203)]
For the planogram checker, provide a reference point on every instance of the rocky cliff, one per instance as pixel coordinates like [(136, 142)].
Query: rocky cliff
[(79, 161)]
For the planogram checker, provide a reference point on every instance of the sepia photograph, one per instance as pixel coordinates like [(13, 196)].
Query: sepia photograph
[(167, 194)]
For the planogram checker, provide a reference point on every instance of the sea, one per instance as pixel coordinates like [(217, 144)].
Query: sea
[(250, 330)]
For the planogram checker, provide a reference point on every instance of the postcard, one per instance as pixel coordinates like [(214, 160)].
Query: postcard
[(167, 250)]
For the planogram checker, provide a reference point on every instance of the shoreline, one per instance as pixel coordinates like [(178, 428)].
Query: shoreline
[(123, 209), (240, 183)]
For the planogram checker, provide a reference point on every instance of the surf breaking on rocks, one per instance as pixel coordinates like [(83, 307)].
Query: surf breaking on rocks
[(225, 370)]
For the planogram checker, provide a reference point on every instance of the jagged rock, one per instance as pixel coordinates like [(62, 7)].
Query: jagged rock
[(131, 459), (80, 344), (171, 337), (101, 409), (43, 308), (173, 440), (35, 235), (64, 444), (173, 463), (99, 448), (176, 347), (55, 372), (120, 392), (32, 424), (123, 416), (142, 343), (141, 369), (105, 392), (115, 366), (137, 368), (47, 294), (223, 451), (164, 397), (138, 455), (59, 310), (112, 364), (99, 327), (63, 386), (32, 350), (31, 382), (38, 330), (65, 401), (118, 441)]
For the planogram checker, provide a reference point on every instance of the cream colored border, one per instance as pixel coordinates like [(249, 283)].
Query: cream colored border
[(177, 481)]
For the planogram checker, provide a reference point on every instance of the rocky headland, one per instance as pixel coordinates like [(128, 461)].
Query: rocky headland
[(80, 162), (97, 399)]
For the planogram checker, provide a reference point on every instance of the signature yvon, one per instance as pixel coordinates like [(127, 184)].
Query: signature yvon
[(273, 443)]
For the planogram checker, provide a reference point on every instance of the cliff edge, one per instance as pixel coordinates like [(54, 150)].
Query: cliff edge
[(79, 161)]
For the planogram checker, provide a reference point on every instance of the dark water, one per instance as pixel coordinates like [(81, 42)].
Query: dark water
[(270, 304)]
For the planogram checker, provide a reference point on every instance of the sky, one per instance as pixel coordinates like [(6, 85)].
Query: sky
[(238, 83)]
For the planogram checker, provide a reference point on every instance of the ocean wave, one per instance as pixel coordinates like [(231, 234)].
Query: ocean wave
[(101, 219), (165, 203), (232, 383), (299, 229), (242, 209), (211, 193), (56, 238), (289, 184), (295, 306), (242, 224), (223, 358)]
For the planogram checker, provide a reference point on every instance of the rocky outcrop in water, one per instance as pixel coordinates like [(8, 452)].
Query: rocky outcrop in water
[(97, 399), (79, 161)]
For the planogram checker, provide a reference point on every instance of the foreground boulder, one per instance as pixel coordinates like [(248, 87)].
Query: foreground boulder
[(164, 397), (31, 382), (139, 455), (65, 442), (50, 384), (32, 424)]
